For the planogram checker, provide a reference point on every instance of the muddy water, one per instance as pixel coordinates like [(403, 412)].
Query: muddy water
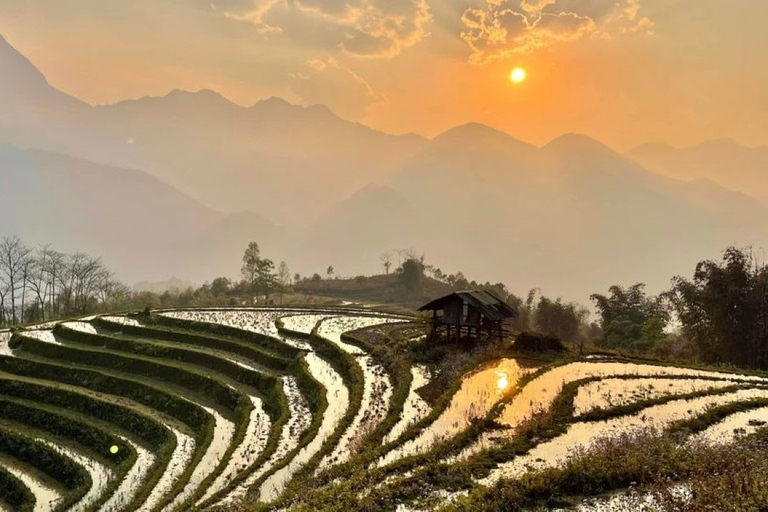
[(289, 438), (80, 326), (377, 386), (582, 436), (608, 393), (332, 329), (258, 321), (100, 474), (123, 320), (479, 391), (377, 391), (338, 401), (132, 480), (415, 408), (5, 338), (45, 497), (250, 448), (180, 459), (223, 431), (539, 394), (42, 335), (740, 423), (302, 323)]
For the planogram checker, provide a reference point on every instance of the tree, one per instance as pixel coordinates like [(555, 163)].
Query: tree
[(265, 276), (329, 271), (413, 274), (283, 278), (386, 260), (14, 256), (251, 259), (559, 319), (630, 319), (724, 309), (220, 286)]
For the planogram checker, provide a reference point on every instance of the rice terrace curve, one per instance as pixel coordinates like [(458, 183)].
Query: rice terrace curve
[(317, 409)]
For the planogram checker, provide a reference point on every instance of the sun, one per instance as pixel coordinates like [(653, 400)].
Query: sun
[(517, 75)]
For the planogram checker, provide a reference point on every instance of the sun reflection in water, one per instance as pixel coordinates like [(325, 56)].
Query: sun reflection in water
[(502, 381)]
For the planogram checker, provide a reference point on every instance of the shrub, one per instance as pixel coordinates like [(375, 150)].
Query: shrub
[(537, 342)]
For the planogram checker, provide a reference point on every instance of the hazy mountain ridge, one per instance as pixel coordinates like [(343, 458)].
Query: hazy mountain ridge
[(722, 161), (142, 227), (572, 217)]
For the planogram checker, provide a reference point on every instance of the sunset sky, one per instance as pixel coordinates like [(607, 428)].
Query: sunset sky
[(623, 71)]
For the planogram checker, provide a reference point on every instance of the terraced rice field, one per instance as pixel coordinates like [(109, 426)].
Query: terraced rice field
[(212, 408)]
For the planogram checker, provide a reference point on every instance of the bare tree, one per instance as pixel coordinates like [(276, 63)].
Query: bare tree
[(13, 260), (386, 260), (38, 278)]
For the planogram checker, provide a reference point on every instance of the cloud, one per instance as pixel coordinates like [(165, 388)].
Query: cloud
[(363, 28), (504, 28), (330, 83)]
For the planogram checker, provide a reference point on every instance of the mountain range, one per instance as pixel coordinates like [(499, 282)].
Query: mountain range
[(177, 186)]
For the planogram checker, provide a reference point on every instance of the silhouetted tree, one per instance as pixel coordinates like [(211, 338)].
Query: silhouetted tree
[(386, 260), (413, 274), (724, 309), (630, 318), (251, 259)]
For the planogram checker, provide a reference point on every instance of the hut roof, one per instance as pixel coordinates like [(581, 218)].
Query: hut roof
[(489, 305)]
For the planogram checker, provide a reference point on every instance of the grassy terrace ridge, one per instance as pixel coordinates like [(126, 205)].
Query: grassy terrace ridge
[(650, 459), (234, 402), (64, 429), (156, 352), (260, 340), (540, 429), (194, 416), (73, 478), (355, 478), (316, 394), (15, 494), (140, 428), (356, 475), (260, 355)]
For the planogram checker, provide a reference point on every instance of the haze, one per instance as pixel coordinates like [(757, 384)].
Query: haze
[(165, 135)]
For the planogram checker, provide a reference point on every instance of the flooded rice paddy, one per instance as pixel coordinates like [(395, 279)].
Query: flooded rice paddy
[(505, 390)]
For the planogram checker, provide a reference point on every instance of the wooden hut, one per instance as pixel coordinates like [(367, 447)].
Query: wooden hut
[(468, 313)]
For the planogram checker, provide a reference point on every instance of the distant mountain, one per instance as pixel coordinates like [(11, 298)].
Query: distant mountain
[(356, 231), (202, 144), (722, 161), (142, 227)]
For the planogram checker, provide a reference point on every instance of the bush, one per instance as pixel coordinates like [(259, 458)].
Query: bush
[(538, 342)]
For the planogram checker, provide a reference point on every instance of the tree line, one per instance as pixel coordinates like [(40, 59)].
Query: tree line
[(39, 284), (719, 316)]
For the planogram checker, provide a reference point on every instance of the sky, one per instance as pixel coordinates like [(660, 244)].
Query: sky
[(623, 71)]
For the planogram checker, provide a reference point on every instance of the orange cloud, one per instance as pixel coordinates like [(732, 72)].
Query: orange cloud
[(363, 28), (505, 28)]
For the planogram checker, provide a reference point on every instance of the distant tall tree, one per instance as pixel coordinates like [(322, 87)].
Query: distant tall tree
[(251, 259), (329, 271), (265, 276), (283, 278), (386, 260)]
